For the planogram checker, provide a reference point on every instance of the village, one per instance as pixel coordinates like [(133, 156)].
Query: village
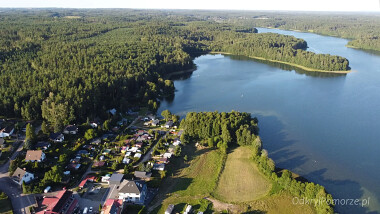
[(112, 166)]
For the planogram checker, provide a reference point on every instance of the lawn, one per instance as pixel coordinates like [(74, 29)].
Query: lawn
[(5, 204), (193, 182), (241, 181)]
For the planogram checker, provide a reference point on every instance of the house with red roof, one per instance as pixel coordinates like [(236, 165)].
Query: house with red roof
[(63, 203), (112, 206)]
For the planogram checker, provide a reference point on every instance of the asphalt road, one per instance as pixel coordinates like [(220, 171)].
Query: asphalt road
[(20, 202)]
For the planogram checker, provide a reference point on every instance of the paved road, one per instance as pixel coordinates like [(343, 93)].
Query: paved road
[(20, 202)]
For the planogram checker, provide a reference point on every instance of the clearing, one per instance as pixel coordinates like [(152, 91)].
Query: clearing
[(241, 181)]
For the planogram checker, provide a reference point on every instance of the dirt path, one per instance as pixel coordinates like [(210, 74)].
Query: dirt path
[(221, 206)]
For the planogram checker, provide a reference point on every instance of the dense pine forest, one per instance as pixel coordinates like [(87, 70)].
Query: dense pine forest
[(68, 65)]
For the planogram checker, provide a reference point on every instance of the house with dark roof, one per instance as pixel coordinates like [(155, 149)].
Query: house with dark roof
[(35, 155), (115, 179), (70, 129), (143, 175), (57, 137), (63, 203), (169, 124), (19, 176), (112, 206), (132, 191)]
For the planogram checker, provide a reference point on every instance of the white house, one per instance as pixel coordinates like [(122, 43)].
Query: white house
[(132, 191), (20, 176), (35, 155), (167, 155), (170, 209), (6, 132)]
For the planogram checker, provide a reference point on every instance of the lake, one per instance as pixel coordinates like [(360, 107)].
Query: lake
[(323, 127)]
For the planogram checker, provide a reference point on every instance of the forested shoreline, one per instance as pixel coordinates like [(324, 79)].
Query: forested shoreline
[(68, 65)]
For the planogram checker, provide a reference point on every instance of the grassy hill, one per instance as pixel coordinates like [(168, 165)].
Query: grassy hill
[(241, 181)]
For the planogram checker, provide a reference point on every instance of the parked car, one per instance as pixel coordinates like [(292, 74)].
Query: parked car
[(90, 210), (47, 189), (85, 210)]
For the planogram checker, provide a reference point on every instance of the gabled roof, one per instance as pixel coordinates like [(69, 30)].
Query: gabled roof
[(71, 128), (54, 136), (33, 155), (112, 206), (142, 174), (135, 187), (19, 173)]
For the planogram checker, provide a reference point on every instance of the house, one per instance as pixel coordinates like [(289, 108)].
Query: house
[(143, 174), (137, 155), (139, 144), (96, 141), (106, 178), (89, 178), (126, 160), (132, 191), (99, 164), (115, 179), (188, 209), (124, 149), (63, 203), (71, 129), (155, 122), (133, 149), (42, 145), (35, 155), (20, 176), (169, 124), (167, 155), (74, 166), (159, 166), (176, 142), (57, 137), (163, 160), (170, 209), (112, 206), (7, 131), (94, 125)]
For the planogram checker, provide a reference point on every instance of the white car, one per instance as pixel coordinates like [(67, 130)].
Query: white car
[(90, 210)]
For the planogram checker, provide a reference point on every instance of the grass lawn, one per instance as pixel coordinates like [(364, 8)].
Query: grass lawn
[(193, 182), (5, 205), (241, 181)]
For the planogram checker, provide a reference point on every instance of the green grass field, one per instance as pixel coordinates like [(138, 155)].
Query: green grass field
[(241, 181), (241, 188), (194, 182)]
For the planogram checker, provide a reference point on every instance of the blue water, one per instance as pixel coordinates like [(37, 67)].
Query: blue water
[(323, 127)]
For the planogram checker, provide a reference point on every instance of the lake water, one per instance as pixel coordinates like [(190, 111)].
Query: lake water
[(323, 127)]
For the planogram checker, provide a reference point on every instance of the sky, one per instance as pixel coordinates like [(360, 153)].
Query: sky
[(298, 5)]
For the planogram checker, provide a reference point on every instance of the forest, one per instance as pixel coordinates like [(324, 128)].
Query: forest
[(66, 65)]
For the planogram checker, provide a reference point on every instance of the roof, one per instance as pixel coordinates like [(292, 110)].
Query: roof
[(116, 177), (19, 173), (82, 183), (55, 135), (170, 208), (1, 141), (33, 155), (99, 163), (71, 128), (57, 203), (170, 123), (112, 206), (42, 144), (142, 174), (128, 186)]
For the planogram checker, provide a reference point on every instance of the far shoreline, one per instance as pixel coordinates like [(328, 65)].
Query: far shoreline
[(287, 63)]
